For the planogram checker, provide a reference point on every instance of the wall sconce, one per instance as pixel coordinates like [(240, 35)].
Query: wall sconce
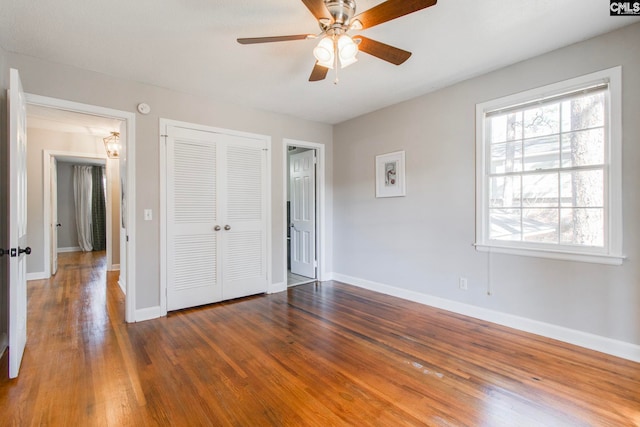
[(112, 145)]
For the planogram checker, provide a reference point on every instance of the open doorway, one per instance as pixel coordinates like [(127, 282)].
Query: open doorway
[(120, 177), (78, 200), (73, 227), (304, 182)]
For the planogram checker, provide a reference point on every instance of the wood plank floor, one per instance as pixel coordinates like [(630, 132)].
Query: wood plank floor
[(317, 355)]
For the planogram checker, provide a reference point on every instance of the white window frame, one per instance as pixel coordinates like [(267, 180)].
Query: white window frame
[(611, 253)]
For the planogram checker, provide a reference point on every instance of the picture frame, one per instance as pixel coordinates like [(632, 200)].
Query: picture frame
[(390, 175)]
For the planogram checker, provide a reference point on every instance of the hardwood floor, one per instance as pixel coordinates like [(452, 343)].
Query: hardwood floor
[(316, 355)]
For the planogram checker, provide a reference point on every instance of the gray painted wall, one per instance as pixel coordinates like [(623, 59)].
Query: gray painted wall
[(423, 242), (68, 231), (50, 79)]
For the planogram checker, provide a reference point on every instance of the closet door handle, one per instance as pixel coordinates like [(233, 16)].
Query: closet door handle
[(227, 227), (26, 250), (216, 228)]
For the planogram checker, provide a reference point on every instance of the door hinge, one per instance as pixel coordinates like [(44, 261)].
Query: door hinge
[(315, 263)]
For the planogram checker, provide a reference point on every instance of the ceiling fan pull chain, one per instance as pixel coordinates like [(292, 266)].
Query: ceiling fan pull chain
[(335, 58)]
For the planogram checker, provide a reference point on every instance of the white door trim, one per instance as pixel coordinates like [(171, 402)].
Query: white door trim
[(320, 204), (46, 203), (164, 124), (130, 191)]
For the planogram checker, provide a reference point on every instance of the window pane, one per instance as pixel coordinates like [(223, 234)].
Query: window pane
[(541, 121), (506, 157), (506, 127), (583, 112), (540, 190), (540, 225), (505, 224), (583, 148), (582, 189), (542, 153), (504, 192), (497, 129), (582, 227)]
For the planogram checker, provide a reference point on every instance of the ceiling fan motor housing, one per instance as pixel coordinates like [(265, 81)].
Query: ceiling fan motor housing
[(341, 11)]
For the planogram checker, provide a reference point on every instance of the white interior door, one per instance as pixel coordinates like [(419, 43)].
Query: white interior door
[(17, 223), (193, 226), (54, 215), (244, 200), (302, 193)]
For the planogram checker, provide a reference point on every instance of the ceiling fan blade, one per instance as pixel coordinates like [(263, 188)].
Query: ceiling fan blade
[(391, 9), (318, 73), (383, 51), (317, 8), (253, 40)]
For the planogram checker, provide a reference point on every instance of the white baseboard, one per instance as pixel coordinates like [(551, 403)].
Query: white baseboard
[(599, 343), (4, 343), (277, 287), (148, 313), (37, 276), (73, 249), (123, 288), (114, 267)]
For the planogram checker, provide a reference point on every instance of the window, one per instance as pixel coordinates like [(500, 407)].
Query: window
[(549, 171)]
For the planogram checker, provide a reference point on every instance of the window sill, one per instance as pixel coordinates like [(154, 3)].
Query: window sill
[(551, 254)]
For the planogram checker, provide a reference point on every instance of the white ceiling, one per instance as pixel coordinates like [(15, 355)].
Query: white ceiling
[(190, 46), (70, 122)]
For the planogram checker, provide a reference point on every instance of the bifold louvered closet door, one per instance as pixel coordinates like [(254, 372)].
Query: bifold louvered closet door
[(216, 217)]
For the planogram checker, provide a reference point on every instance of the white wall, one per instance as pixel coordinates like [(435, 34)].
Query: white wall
[(423, 242), (54, 80)]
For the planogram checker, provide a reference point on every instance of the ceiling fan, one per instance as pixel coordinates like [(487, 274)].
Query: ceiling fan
[(336, 18)]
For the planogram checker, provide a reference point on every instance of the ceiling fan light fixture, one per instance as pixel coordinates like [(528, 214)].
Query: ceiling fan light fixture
[(347, 49), (324, 51), (344, 63)]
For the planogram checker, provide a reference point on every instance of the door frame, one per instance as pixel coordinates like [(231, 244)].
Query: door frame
[(163, 125), (48, 212), (321, 272), (129, 118)]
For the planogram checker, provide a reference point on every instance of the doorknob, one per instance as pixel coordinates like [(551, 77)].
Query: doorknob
[(3, 252), (26, 250), (216, 228), (227, 227)]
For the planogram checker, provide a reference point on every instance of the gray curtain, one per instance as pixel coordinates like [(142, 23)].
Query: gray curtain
[(82, 183), (98, 209)]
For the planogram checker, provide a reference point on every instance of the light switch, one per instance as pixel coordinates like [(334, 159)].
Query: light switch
[(148, 215)]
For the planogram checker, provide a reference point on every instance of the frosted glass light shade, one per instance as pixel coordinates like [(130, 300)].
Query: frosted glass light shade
[(324, 51), (347, 48)]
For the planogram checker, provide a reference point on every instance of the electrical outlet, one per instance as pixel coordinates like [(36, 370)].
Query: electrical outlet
[(148, 214), (463, 284)]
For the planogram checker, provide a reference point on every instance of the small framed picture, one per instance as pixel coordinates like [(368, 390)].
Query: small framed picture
[(390, 180)]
